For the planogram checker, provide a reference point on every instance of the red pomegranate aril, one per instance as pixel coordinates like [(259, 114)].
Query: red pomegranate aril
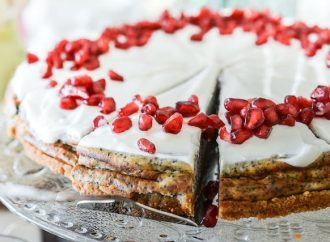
[(107, 105), (152, 100), (234, 105), (98, 86), (288, 120), (319, 108), (193, 99), (31, 58), (53, 83), (92, 64), (263, 131), (76, 92), (224, 134), (146, 146), (262, 103), (240, 135), (145, 122), (215, 122), (236, 122), (121, 124), (284, 109), (271, 116), (306, 115), (187, 108), (173, 124), (99, 121), (292, 100), (254, 118), (84, 80), (200, 121), (304, 102), (94, 100), (129, 109), (81, 57), (149, 109), (68, 103), (321, 94), (162, 114), (115, 76), (210, 218), (48, 71)]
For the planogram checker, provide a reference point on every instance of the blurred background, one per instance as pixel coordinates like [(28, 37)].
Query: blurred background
[(35, 25)]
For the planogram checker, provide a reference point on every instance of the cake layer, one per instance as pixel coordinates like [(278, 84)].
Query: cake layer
[(280, 206), (276, 184)]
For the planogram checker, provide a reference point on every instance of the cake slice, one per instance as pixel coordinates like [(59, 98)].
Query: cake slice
[(289, 170)]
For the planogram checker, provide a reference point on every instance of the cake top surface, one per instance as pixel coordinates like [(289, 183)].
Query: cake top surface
[(172, 67)]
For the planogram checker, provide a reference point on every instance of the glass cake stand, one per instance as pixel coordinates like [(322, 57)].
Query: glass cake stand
[(47, 200)]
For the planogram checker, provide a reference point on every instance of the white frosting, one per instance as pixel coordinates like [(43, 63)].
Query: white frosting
[(172, 67)]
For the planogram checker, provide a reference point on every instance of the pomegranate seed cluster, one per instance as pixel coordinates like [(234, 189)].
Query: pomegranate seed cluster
[(257, 116), (171, 118), (84, 53)]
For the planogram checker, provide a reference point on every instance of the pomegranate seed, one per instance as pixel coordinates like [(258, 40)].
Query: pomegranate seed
[(210, 217), (98, 86), (173, 124), (262, 103), (254, 118), (197, 37), (234, 105), (320, 94), (149, 109), (240, 135), (107, 105), (187, 108), (293, 100), (271, 116), (68, 103), (193, 99), (115, 76), (236, 122), (48, 72), (31, 58), (81, 57), (76, 92), (208, 134), (200, 121), (84, 80), (102, 45), (319, 108), (92, 64), (53, 83), (304, 103), (129, 109), (152, 100), (146, 146), (162, 114), (121, 124), (284, 109), (99, 121), (306, 115), (94, 100), (224, 134), (263, 131), (215, 122), (145, 122), (288, 120)]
